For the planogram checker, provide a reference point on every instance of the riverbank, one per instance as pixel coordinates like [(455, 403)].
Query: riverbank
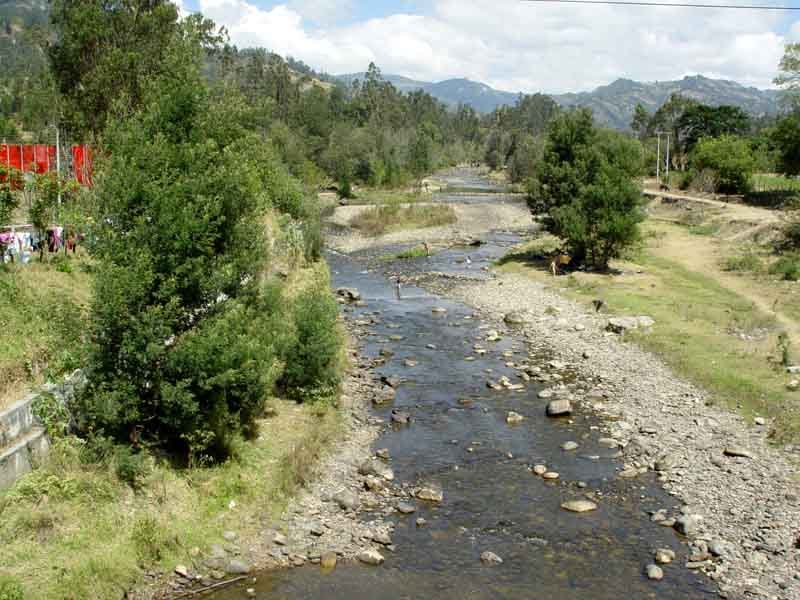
[(735, 493), (739, 493)]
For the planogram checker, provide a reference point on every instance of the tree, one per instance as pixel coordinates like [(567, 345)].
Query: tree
[(786, 137), (586, 185), (8, 199), (420, 155), (182, 352), (640, 124), (700, 120), (525, 156), (789, 78), (730, 158), (107, 52)]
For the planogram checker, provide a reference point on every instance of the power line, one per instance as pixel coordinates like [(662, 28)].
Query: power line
[(668, 4)]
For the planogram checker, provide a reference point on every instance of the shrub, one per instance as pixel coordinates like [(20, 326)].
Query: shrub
[(11, 589), (131, 467), (788, 267), (730, 158), (743, 262), (313, 356)]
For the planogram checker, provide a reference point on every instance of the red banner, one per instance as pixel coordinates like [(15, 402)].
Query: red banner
[(41, 158)]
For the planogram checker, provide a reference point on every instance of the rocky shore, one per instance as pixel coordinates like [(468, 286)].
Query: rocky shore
[(739, 504)]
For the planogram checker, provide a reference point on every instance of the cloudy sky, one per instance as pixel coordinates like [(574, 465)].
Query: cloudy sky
[(512, 44)]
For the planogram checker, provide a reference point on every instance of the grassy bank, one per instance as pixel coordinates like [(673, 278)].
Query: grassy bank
[(395, 216), (42, 316), (706, 332), (94, 518), (76, 528)]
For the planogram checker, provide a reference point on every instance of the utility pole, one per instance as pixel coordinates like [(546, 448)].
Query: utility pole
[(658, 157), (668, 158)]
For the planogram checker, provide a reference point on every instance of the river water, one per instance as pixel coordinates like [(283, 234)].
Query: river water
[(491, 499)]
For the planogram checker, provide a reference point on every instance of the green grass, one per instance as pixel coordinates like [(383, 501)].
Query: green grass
[(698, 323), (395, 216), (74, 529), (42, 316), (380, 196), (771, 182), (408, 254), (747, 261)]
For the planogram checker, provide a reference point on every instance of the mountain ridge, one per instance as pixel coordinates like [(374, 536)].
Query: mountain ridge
[(613, 104)]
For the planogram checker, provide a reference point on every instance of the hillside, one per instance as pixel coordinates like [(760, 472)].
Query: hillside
[(612, 104)]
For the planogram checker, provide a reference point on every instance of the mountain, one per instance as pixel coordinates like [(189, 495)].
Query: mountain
[(612, 104), (452, 91)]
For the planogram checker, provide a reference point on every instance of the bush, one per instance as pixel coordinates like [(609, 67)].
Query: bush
[(743, 262), (11, 589), (730, 158), (131, 467), (312, 358), (788, 267), (791, 233)]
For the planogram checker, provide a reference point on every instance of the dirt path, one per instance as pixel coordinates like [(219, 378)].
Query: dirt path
[(704, 254)]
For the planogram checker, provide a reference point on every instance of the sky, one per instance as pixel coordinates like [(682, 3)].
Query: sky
[(515, 45)]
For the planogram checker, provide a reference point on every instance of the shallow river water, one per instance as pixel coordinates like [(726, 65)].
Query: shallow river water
[(491, 499)]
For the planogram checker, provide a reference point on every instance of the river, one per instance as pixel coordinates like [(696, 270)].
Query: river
[(460, 440)]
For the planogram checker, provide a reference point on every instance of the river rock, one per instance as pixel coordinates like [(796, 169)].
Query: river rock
[(559, 408), (346, 499), (490, 558), (608, 442), (513, 418), (404, 508), (569, 446), (720, 548), (371, 557), (539, 469), (237, 567), (182, 570), (551, 475), (688, 525), (376, 468), (622, 324), (382, 538), (349, 294), (400, 417), (391, 381), (514, 318), (430, 493), (737, 451), (579, 506), (654, 572), (664, 556), (793, 385), (279, 539)]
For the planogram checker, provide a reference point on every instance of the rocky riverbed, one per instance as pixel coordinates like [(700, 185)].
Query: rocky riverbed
[(504, 443), (740, 510)]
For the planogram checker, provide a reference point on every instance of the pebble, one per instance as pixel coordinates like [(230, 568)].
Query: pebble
[(430, 493), (550, 475), (371, 557), (579, 506), (539, 469), (512, 418), (559, 408), (737, 451), (654, 572), (569, 446), (405, 508), (664, 556), (490, 558)]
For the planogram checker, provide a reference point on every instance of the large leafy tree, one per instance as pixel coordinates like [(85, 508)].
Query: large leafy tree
[(586, 186), (181, 333), (106, 52), (701, 121)]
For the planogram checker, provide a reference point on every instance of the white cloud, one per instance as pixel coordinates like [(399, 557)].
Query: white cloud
[(518, 45)]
